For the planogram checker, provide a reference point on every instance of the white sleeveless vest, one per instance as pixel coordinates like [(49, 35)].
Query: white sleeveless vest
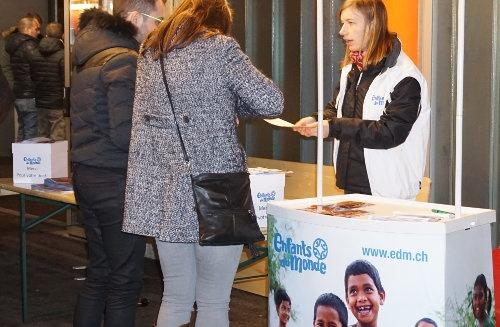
[(395, 172)]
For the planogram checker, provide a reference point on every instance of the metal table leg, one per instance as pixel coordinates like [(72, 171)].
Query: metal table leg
[(261, 253), (25, 226), (24, 279)]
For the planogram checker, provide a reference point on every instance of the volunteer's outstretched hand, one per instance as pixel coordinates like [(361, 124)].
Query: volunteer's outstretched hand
[(308, 126)]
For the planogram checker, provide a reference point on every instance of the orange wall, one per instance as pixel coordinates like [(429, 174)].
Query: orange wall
[(403, 19)]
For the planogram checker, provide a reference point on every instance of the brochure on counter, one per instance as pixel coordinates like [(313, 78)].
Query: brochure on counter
[(360, 209)]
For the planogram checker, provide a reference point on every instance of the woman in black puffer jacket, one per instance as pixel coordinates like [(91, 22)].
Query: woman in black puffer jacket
[(380, 112)]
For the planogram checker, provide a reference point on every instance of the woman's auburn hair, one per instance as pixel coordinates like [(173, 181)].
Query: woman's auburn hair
[(379, 36), (191, 20)]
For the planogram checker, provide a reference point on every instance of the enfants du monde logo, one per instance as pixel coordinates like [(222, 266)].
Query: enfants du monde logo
[(300, 256), (266, 197), (32, 160)]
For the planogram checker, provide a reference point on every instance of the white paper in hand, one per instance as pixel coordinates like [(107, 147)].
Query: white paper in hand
[(279, 122)]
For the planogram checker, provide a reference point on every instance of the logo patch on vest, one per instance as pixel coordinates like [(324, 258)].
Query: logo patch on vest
[(378, 100)]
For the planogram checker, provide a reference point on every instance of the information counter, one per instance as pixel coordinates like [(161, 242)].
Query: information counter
[(427, 260)]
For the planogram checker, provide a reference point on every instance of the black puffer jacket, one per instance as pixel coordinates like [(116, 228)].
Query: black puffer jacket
[(21, 48), (102, 95), (6, 97), (47, 71)]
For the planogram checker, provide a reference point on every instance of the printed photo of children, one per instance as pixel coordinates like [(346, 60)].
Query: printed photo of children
[(283, 306), (364, 292), (426, 322), (329, 311), (481, 303)]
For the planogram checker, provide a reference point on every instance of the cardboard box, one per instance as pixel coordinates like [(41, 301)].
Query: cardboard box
[(33, 162), (266, 185)]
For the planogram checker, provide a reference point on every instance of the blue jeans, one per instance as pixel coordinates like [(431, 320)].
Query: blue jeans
[(27, 118), (192, 273), (115, 269)]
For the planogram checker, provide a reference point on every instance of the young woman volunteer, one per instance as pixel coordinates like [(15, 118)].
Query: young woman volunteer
[(380, 112)]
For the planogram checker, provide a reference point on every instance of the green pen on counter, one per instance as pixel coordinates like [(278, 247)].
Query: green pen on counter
[(442, 211)]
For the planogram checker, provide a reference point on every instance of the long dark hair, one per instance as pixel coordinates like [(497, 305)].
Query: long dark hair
[(191, 20)]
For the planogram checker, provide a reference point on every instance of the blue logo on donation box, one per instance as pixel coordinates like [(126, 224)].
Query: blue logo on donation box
[(266, 197), (300, 256), (320, 249), (32, 160)]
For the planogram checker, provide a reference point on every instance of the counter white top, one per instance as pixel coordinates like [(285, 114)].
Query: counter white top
[(385, 215)]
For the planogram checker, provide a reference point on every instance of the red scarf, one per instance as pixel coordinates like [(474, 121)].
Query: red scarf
[(357, 58)]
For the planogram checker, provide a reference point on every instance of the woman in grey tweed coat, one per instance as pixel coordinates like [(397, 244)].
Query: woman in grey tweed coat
[(212, 82)]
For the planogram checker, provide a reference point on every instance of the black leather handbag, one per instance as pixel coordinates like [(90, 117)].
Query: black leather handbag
[(223, 201)]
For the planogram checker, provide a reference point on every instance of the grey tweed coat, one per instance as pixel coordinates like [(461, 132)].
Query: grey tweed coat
[(212, 82)]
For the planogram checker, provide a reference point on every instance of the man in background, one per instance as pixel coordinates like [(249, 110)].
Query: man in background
[(48, 74), (21, 47), (102, 95)]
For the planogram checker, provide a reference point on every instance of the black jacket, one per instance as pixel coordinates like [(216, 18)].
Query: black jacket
[(356, 134), (21, 48), (102, 94), (47, 71), (6, 97)]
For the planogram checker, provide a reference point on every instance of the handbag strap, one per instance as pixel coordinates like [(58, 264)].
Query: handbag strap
[(162, 64)]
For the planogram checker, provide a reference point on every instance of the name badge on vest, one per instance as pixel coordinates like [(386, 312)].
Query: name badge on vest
[(378, 100)]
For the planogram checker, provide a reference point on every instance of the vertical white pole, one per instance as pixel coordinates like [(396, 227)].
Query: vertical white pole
[(319, 41), (459, 109), (67, 64)]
